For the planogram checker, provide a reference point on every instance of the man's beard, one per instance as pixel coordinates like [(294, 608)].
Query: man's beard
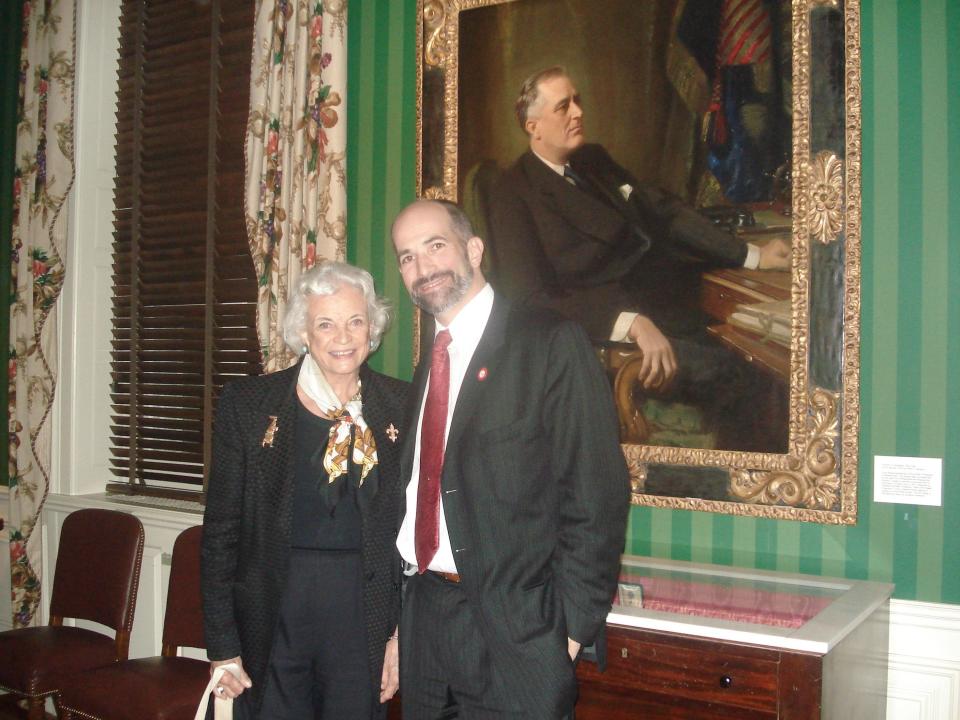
[(445, 299)]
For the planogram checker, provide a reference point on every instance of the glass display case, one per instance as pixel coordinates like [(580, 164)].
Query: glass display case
[(695, 640)]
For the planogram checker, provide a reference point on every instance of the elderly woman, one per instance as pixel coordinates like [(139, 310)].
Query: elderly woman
[(300, 577)]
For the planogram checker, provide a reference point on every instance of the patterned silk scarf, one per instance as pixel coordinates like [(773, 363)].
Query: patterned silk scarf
[(350, 437)]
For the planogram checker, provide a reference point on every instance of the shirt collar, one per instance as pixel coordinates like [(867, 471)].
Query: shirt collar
[(558, 169)]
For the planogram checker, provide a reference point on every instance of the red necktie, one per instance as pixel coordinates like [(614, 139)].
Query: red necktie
[(426, 537)]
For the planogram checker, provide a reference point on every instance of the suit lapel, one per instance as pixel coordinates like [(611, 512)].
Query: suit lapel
[(486, 357), (484, 363), (630, 246), (589, 215), (607, 188), (606, 182)]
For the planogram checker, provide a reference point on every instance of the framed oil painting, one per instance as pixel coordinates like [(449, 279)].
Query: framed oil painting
[(743, 117)]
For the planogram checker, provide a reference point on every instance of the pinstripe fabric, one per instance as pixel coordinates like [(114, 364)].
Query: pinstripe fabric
[(910, 356)]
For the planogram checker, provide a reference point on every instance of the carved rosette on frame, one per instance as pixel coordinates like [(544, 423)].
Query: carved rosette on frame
[(826, 197)]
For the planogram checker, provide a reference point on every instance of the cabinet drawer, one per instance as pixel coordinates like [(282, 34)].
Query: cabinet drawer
[(720, 300), (723, 290), (706, 672)]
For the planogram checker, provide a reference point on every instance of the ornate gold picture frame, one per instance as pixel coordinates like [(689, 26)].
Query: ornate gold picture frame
[(815, 479)]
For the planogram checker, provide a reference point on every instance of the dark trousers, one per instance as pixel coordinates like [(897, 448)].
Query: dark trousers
[(318, 666), (446, 668), (733, 395)]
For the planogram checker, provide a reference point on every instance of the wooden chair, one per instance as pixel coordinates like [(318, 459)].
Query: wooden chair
[(157, 688), (96, 578), (649, 418)]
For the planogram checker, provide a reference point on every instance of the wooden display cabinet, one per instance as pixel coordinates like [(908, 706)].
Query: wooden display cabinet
[(688, 640)]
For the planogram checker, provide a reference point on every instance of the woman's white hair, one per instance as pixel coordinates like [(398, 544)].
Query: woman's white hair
[(326, 279)]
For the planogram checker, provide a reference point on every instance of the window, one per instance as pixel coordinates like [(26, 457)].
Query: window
[(184, 288)]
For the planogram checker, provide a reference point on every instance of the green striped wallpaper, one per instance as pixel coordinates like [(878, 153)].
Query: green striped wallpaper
[(910, 296), (381, 153)]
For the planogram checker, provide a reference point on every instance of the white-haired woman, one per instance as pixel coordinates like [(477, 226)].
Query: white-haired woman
[(301, 579)]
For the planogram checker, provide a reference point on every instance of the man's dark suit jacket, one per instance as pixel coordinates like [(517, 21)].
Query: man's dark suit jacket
[(247, 523), (591, 253), (535, 494)]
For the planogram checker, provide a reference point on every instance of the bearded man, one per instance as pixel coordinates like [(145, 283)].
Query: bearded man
[(517, 496)]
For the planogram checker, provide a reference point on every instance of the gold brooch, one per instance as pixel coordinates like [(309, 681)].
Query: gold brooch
[(392, 432), (271, 431)]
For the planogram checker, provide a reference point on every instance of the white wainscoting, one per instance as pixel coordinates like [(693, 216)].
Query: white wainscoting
[(161, 528), (924, 678), (924, 673)]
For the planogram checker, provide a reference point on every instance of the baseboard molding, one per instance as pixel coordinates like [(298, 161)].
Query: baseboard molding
[(924, 667), (161, 527)]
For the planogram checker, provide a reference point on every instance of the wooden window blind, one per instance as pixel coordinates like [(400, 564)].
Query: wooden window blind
[(184, 288)]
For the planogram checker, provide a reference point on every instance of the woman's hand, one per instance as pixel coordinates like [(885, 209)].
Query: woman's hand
[(390, 679), (230, 686)]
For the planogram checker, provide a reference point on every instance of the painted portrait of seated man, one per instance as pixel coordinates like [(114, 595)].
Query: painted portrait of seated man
[(572, 229)]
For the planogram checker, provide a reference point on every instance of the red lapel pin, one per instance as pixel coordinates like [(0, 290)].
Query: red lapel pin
[(482, 375)]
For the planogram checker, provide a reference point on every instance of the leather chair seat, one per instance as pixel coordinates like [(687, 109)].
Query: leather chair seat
[(155, 688), (36, 659)]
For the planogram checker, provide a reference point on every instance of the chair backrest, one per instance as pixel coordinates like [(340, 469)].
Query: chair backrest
[(477, 184), (183, 619), (98, 569)]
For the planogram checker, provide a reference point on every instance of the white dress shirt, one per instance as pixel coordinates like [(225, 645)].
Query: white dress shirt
[(466, 329), (625, 319)]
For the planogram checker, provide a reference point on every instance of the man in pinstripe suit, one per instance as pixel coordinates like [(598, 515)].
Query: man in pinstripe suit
[(515, 562)]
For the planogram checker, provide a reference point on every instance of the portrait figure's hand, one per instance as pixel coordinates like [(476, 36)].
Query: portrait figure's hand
[(775, 255), (659, 365)]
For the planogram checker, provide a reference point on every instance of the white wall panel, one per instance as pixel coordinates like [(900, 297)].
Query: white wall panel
[(161, 528), (924, 676)]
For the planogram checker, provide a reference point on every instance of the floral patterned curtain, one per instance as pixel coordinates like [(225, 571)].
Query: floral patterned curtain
[(295, 152), (42, 181)]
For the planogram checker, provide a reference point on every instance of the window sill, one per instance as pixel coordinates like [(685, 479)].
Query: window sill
[(156, 512)]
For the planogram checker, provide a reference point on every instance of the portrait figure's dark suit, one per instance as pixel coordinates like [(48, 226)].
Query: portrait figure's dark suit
[(609, 244), (535, 493), (247, 522)]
